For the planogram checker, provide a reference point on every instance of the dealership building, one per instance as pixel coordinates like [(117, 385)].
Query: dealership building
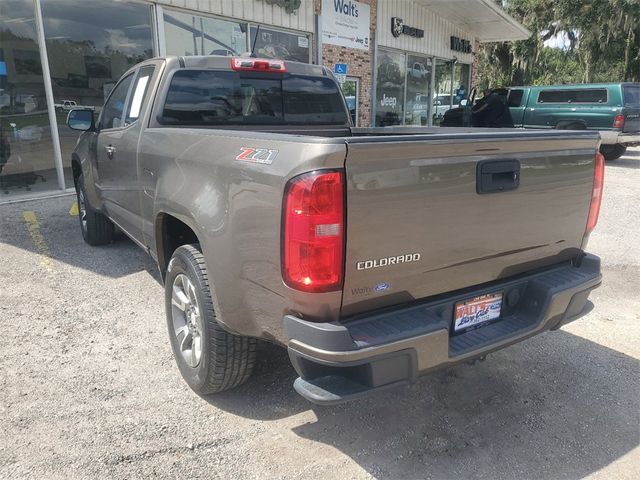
[(400, 62)]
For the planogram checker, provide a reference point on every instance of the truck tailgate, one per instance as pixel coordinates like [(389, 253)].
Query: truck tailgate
[(417, 226)]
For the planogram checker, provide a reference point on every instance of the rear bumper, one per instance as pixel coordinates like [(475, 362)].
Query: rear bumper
[(629, 138), (340, 362), (611, 137)]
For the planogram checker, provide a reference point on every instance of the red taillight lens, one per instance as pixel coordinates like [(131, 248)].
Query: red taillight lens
[(618, 122), (313, 233), (257, 65), (596, 195)]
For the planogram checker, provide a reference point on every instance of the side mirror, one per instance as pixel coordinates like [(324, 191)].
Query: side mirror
[(464, 103), (81, 119)]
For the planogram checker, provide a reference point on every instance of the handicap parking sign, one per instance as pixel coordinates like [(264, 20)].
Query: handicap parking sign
[(340, 68)]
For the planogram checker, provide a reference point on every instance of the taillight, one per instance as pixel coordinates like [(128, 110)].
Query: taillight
[(313, 232), (596, 194), (618, 121), (257, 65)]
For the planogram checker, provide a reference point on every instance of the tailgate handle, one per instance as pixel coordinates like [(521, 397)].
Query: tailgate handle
[(495, 176)]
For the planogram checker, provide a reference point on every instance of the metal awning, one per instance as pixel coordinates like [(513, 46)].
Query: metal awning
[(483, 18)]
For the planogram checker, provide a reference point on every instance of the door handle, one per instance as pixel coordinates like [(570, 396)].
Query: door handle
[(110, 151), (493, 176)]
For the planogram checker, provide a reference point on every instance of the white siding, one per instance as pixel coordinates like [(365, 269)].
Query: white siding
[(437, 31), (253, 11)]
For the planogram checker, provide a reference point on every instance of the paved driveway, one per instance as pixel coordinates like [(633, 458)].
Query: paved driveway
[(89, 389)]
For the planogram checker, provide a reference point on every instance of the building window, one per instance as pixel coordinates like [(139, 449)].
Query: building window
[(390, 88), (270, 43), (90, 45), (26, 159), (189, 34)]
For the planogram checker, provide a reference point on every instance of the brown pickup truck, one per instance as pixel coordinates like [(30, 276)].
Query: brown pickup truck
[(374, 255)]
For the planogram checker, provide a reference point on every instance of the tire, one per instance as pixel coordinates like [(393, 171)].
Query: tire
[(96, 228), (209, 358), (612, 152)]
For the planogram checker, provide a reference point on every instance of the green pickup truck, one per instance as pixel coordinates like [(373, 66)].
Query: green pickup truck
[(613, 109)]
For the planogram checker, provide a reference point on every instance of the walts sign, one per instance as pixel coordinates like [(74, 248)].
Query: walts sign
[(346, 23), (399, 28), (460, 45)]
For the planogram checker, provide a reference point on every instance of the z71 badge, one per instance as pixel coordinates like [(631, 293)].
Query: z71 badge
[(263, 156)]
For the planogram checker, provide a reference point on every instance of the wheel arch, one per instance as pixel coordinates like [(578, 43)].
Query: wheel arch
[(76, 168), (575, 124), (171, 232)]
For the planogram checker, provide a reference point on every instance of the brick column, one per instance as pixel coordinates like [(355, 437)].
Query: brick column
[(359, 62)]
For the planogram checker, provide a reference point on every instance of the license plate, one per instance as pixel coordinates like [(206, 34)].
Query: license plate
[(477, 311)]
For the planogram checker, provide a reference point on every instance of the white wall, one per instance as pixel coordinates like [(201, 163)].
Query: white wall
[(252, 10), (437, 31)]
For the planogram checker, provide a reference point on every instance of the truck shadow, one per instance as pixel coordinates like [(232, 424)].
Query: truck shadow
[(59, 233), (557, 406), (631, 159)]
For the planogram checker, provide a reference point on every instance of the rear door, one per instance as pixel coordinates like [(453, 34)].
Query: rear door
[(517, 103), (417, 226)]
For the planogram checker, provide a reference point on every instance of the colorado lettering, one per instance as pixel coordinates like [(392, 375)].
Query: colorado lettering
[(387, 261)]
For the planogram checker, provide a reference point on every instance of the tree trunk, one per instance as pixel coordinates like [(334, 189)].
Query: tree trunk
[(627, 56)]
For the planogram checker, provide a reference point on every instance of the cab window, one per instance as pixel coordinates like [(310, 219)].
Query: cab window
[(113, 111), (586, 95)]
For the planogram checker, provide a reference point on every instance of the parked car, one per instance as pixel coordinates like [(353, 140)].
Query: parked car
[(66, 105), (374, 255), (612, 109)]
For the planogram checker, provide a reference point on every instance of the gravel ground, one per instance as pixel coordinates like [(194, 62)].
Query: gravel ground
[(89, 389)]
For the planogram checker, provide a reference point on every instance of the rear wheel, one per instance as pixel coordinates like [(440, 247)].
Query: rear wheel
[(96, 228), (612, 152), (210, 359)]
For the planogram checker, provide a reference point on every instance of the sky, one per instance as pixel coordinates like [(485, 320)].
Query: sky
[(558, 41)]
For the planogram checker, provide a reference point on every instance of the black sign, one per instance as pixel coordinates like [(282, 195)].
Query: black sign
[(399, 28), (460, 45)]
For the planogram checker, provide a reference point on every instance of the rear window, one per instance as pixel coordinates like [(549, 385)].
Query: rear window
[(631, 94), (586, 95), (211, 98)]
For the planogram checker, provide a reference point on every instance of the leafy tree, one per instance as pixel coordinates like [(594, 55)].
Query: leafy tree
[(603, 44)]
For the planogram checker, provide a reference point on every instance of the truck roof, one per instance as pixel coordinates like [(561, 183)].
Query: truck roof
[(575, 85), (224, 63)]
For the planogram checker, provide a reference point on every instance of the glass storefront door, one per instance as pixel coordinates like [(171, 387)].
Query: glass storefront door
[(90, 44), (26, 148), (442, 98), (418, 102), (350, 88), (461, 79)]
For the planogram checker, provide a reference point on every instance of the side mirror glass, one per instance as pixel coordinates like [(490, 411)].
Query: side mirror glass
[(81, 119), (464, 103)]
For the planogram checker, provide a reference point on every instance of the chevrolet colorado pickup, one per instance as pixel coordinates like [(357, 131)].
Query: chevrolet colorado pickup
[(374, 255)]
